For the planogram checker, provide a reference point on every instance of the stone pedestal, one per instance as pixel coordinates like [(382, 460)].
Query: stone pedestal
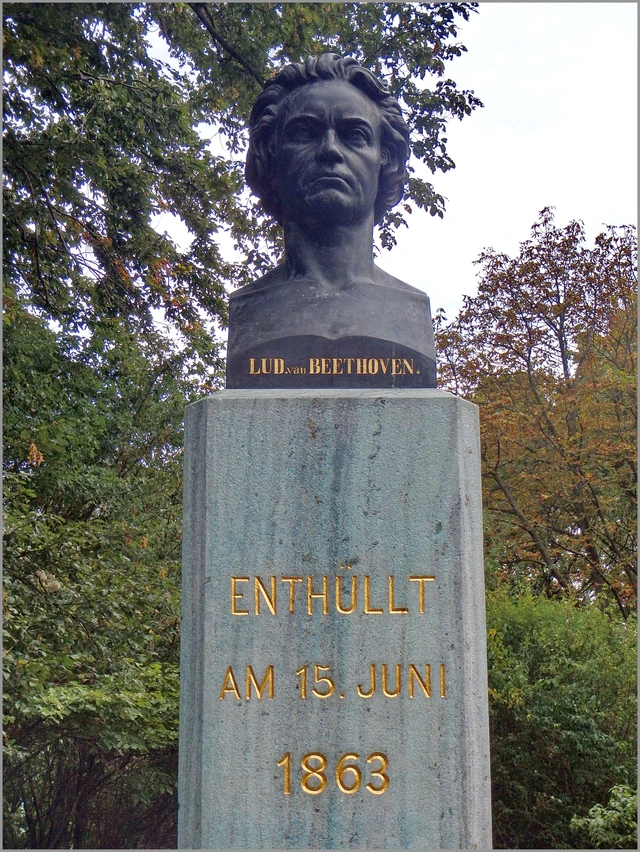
[(333, 615)]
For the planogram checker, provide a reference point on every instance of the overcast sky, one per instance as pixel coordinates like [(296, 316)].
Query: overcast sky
[(559, 128)]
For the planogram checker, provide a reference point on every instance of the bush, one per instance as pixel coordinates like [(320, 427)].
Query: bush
[(612, 826), (562, 693)]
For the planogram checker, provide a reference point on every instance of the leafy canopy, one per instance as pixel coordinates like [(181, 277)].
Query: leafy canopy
[(614, 825), (110, 328), (101, 136), (548, 350), (92, 480)]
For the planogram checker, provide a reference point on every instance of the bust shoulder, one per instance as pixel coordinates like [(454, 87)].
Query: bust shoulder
[(272, 277), (384, 279), (277, 276)]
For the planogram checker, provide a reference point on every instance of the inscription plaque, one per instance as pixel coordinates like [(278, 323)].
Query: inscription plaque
[(313, 361)]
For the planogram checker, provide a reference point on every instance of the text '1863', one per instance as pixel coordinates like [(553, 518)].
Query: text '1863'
[(348, 775)]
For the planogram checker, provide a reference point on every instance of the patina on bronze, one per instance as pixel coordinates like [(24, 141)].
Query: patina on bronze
[(327, 158)]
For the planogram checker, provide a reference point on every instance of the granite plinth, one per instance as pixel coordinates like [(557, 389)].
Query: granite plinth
[(285, 492)]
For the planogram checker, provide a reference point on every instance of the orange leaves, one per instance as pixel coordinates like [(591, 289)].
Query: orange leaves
[(35, 457), (547, 349), (122, 272)]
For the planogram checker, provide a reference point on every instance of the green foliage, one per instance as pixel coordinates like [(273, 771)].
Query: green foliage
[(110, 329), (99, 136), (611, 826), (563, 707), (92, 479)]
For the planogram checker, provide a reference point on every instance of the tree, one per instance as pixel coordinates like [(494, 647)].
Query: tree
[(92, 474), (110, 329), (99, 136), (547, 349), (563, 717)]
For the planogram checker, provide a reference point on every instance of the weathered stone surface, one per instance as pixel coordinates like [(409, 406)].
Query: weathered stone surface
[(305, 484)]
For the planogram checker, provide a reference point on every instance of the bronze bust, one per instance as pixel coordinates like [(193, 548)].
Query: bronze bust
[(327, 158)]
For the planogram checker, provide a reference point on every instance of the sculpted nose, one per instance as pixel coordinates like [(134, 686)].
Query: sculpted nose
[(329, 148)]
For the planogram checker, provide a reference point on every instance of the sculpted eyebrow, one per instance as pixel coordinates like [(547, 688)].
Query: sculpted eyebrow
[(308, 119), (359, 123), (303, 119)]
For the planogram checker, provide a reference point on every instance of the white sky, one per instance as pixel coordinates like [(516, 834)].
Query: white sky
[(559, 128)]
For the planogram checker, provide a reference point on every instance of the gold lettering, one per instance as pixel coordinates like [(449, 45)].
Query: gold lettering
[(324, 595), (392, 607), (422, 581), (314, 366), (258, 587), (443, 684), (266, 361), (235, 595), (425, 684), (337, 366), (326, 366), (267, 680), (349, 362), (372, 685), (232, 687), (286, 765), (302, 674), (354, 594), (368, 609), (252, 367), (310, 772), (343, 768), (379, 773), (396, 366), (373, 366), (330, 684), (385, 690), (408, 365), (292, 581), (278, 365), (361, 366)]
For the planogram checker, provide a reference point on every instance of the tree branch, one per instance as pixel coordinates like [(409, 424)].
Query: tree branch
[(533, 533), (203, 14)]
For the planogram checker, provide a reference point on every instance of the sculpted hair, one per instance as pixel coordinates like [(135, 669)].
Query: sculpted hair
[(260, 170)]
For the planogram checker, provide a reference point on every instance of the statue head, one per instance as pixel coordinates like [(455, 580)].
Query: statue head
[(261, 172)]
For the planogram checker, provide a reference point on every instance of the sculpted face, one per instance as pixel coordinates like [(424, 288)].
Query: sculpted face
[(328, 154)]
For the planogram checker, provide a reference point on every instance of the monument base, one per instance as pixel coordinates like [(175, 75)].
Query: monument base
[(333, 671)]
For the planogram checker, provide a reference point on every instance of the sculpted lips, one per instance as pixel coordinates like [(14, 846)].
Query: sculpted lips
[(330, 180)]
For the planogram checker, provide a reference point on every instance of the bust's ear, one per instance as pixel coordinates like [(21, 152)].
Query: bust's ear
[(388, 159)]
